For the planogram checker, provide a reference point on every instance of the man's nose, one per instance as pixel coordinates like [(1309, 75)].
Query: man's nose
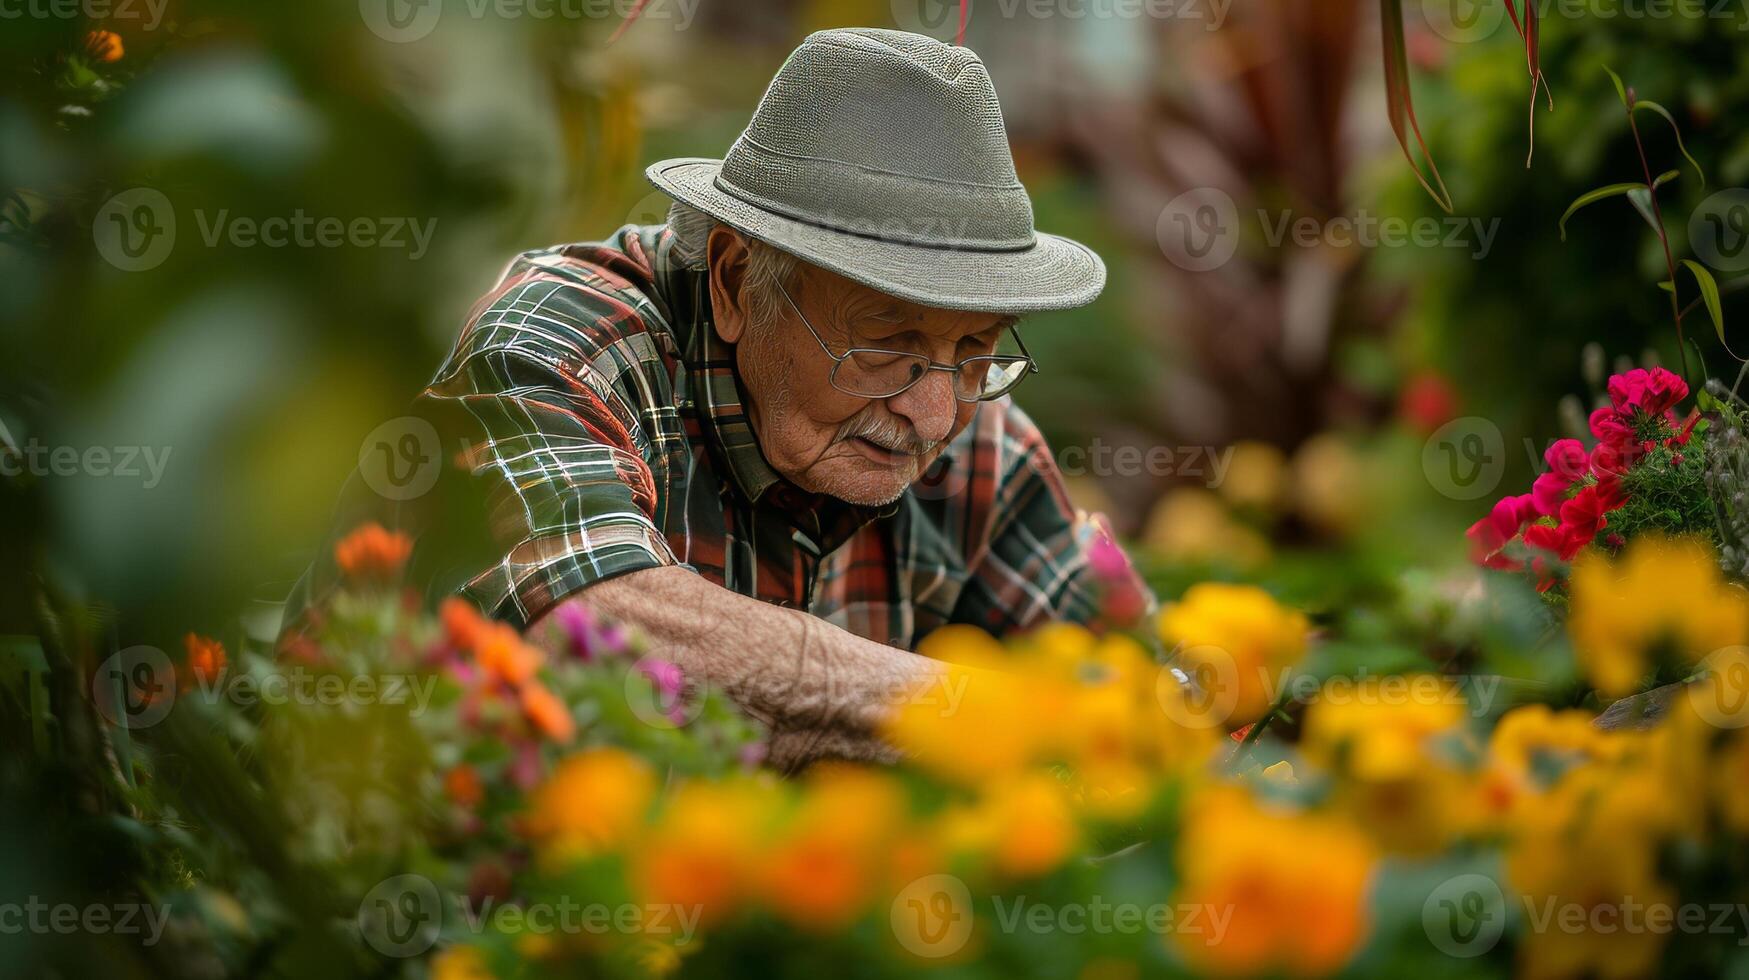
[(928, 405)]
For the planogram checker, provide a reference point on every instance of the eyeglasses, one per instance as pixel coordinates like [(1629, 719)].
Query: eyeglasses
[(869, 372)]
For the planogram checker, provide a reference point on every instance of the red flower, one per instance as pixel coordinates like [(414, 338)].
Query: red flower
[(206, 657), (1652, 392), (1490, 534), (1427, 402)]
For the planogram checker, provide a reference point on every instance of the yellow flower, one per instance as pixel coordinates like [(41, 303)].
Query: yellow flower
[(1256, 476), (1035, 829), (593, 802), (1191, 525), (1238, 643), (1665, 597), (1294, 887), (705, 850), (1331, 484), (1381, 738), (1023, 826), (459, 963), (979, 719), (824, 866), (1530, 749)]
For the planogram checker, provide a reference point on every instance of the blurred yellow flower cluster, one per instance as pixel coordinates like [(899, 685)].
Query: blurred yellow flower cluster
[(1061, 696), (1237, 643), (1664, 599), (1391, 742), (1294, 884)]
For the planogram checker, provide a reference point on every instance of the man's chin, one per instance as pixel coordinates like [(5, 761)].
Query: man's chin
[(862, 485)]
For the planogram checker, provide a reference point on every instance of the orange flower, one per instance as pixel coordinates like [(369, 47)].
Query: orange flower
[(707, 850), (1294, 887), (206, 657), (462, 623), (548, 713), (502, 654), (462, 784), (371, 552), (104, 45), (823, 870), (592, 803)]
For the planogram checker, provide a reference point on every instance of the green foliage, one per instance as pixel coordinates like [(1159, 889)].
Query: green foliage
[(1667, 492)]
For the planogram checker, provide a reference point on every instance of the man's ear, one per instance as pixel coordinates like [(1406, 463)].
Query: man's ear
[(726, 258)]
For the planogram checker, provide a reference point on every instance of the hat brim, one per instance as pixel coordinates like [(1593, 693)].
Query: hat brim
[(1056, 273)]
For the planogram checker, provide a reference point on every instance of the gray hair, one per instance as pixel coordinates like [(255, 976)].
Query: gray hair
[(768, 267)]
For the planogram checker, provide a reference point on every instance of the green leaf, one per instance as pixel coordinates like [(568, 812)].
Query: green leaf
[(1595, 195), (1620, 89), (1660, 110), (1641, 199), (1400, 102), (1709, 292)]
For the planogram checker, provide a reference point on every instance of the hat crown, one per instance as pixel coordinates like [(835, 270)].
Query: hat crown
[(887, 134)]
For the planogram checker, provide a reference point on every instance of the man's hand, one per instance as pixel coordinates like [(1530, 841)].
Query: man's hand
[(821, 691)]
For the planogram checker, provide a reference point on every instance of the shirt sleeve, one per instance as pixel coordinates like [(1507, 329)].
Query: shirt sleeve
[(1030, 564)]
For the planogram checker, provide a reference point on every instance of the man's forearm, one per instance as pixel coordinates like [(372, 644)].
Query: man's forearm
[(820, 689)]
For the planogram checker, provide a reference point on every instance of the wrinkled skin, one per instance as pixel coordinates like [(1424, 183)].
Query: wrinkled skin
[(860, 450)]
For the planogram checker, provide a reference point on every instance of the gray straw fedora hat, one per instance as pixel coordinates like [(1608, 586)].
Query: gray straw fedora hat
[(881, 155)]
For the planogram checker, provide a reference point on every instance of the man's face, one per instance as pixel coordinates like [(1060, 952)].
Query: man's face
[(825, 440)]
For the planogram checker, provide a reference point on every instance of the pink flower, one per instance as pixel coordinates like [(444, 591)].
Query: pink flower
[(578, 622), (1549, 492), (1567, 459), (1652, 392), (1610, 429), (1108, 560), (665, 676)]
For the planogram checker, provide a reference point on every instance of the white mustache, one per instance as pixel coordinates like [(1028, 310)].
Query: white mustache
[(886, 432)]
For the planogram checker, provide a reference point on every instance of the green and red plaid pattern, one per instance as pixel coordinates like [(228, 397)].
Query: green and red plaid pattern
[(598, 420)]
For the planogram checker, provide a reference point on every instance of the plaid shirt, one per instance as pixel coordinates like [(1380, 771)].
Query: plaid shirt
[(604, 431)]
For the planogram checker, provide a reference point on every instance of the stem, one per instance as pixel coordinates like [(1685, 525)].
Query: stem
[(1663, 236), (1257, 728)]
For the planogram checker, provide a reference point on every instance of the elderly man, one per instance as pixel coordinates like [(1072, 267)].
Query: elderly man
[(774, 433)]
